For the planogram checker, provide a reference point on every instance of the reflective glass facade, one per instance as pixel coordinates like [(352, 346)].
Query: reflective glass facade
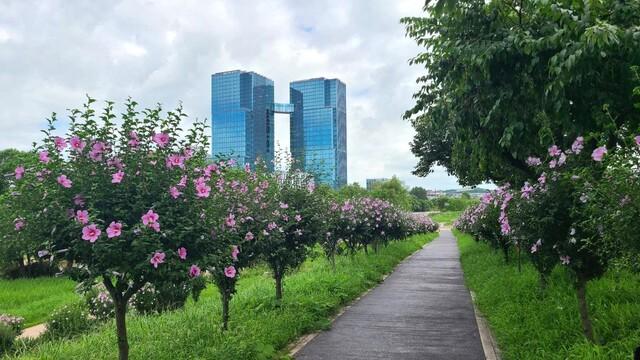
[(319, 128), (242, 113), (242, 116)]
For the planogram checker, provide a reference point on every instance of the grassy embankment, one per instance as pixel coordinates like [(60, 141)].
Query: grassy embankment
[(528, 325), (34, 299)]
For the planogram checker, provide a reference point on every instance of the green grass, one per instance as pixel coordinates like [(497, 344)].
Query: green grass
[(258, 328), (530, 326), (34, 299), (445, 217)]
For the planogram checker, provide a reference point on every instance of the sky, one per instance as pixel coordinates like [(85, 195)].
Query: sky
[(52, 53)]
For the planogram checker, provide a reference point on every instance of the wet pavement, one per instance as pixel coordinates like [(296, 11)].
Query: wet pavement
[(422, 310)]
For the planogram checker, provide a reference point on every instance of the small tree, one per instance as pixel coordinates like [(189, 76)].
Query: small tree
[(116, 186), (291, 223)]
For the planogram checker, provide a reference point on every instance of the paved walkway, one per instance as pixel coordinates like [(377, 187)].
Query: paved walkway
[(421, 311)]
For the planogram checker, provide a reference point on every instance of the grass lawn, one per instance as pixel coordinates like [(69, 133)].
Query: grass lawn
[(529, 326), (34, 299), (446, 217), (258, 329)]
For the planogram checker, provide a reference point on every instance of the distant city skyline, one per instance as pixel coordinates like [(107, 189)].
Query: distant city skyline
[(169, 54)]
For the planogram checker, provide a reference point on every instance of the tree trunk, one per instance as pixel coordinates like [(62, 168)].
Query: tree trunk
[(366, 250), (332, 260), (278, 277), (225, 309), (581, 291), (121, 328), (505, 251)]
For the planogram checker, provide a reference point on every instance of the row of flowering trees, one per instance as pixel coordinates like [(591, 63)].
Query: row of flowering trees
[(581, 213), (133, 202)]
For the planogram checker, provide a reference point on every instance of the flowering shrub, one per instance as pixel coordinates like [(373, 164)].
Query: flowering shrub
[(68, 321), (580, 213), (108, 198), (99, 303), (360, 222), (14, 322)]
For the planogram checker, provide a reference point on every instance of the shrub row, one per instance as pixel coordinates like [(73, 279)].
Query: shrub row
[(581, 213), (134, 203)]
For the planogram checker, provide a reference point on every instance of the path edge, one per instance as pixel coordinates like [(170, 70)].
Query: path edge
[(302, 341), (489, 344)]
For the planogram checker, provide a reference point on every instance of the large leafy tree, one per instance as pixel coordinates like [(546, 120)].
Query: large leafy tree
[(506, 78)]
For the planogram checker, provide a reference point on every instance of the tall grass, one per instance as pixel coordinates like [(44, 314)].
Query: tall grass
[(531, 325), (258, 328), (35, 299)]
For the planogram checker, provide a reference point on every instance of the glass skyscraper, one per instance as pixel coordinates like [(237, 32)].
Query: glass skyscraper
[(319, 128), (242, 112), (242, 116)]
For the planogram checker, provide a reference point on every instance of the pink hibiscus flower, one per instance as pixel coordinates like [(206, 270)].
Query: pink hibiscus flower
[(157, 258), (19, 224), (90, 233), (64, 181), (114, 229), (637, 139), (175, 160), (19, 172), (161, 139), (298, 218), (554, 150), (599, 153), (150, 218), (234, 252), (82, 216), (134, 141), (44, 156), (194, 271), (230, 272), (249, 236), (117, 177), (230, 221), (202, 190), (78, 200), (76, 143), (182, 253), (533, 161), (577, 145), (61, 143), (174, 192)]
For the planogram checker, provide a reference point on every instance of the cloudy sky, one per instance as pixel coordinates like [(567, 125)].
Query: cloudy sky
[(52, 53)]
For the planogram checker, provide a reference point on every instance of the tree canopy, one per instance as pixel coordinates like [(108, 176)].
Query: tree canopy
[(504, 79)]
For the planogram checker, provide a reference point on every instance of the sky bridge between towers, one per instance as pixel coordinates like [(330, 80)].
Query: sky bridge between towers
[(282, 108)]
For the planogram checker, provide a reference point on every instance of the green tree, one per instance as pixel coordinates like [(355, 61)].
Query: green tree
[(394, 192), (352, 191), (419, 193), (504, 79)]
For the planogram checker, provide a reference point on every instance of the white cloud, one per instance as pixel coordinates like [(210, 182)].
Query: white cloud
[(165, 51)]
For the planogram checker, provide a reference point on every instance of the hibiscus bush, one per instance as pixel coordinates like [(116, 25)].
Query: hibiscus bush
[(580, 213), (105, 194)]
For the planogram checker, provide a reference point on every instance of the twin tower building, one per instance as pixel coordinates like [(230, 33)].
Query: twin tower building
[(242, 113)]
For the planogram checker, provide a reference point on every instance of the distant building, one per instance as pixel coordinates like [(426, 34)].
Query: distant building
[(371, 183), (319, 128), (242, 115)]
